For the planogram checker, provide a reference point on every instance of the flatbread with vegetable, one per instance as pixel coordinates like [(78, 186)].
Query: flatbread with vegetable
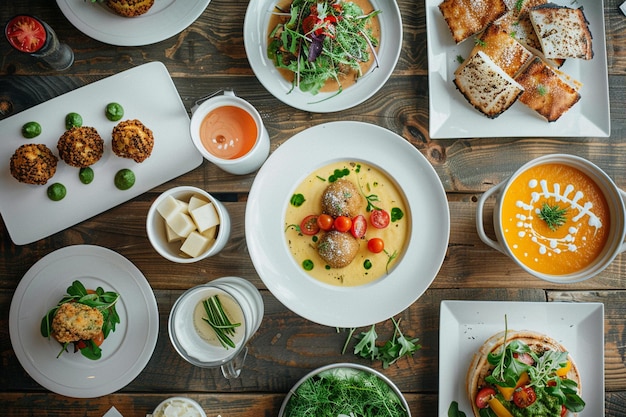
[(521, 373)]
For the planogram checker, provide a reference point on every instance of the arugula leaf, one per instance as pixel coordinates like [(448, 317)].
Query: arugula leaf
[(453, 410), (367, 348)]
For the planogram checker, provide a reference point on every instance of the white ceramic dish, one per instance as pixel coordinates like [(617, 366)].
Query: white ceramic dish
[(465, 325), (429, 228), (147, 93), (124, 353), (165, 19), (255, 30), (344, 370), (451, 116)]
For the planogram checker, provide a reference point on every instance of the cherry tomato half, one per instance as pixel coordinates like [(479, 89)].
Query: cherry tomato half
[(325, 222), (483, 396), (379, 218), (359, 226), (342, 223), (375, 245), (524, 396), (309, 226), (98, 339)]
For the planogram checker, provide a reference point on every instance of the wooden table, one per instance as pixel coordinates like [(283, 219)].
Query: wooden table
[(210, 55)]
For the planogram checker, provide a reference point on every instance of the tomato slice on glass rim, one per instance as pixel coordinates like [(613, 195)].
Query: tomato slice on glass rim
[(25, 33)]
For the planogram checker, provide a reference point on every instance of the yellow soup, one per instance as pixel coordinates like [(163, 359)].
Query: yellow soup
[(375, 188), (565, 198)]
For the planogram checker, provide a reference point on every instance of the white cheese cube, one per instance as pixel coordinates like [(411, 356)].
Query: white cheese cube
[(205, 217), (169, 207), (195, 202), (195, 244), (171, 235), (181, 224), (210, 233)]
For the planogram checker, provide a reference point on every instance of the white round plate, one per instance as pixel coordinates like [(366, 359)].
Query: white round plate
[(125, 352), (269, 198), (165, 19), (255, 29)]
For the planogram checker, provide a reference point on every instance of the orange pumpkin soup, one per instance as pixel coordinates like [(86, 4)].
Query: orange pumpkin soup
[(555, 219), (228, 132)]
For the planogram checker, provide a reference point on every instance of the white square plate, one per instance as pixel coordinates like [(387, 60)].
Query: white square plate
[(451, 116), (147, 93), (465, 325)]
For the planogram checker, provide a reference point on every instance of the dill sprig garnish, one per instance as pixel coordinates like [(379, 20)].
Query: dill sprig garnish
[(554, 216)]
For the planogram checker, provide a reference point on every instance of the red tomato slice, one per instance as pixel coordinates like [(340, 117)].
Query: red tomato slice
[(309, 226), (99, 338), (26, 34), (375, 245), (524, 396), (325, 222), (309, 23), (343, 223), (359, 226), (483, 396), (379, 218)]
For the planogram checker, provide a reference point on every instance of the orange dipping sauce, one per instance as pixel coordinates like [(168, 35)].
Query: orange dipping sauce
[(228, 132), (574, 245)]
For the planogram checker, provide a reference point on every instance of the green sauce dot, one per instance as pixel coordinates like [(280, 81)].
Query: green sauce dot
[(307, 264), (114, 111), (56, 191), (31, 130), (124, 179), (73, 120), (367, 264), (85, 175)]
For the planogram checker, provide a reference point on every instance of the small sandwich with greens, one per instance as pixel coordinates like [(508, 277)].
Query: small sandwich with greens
[(84, 318), (523, 373)]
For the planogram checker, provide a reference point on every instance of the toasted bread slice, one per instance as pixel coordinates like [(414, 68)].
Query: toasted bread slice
[(563, 32), (539, 343), (503, 49), (521, 7), (485, 85), (466, 18), (547, 90)]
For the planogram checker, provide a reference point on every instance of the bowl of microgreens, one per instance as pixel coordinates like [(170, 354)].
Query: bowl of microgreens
[(559, 217), (346, 389)]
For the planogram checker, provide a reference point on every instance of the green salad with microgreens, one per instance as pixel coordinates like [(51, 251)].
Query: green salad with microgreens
[(322, 40), (344, 391), (103, 301)]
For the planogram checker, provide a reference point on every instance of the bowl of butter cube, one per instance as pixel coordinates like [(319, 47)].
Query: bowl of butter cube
[(187, 224)]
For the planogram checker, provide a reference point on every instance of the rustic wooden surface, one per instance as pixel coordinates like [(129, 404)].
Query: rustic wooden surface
[(210, 55)]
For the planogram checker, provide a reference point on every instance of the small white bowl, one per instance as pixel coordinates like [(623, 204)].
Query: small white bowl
[(345, 369), (187, 406), (155, 226)]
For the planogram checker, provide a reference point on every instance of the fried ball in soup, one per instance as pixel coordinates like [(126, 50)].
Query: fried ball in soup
[(342, 198), (337, 249)]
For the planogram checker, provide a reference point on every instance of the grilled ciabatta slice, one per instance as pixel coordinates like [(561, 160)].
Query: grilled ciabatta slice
[(503, 49), (563, 32), (485, 85), (469, 17), (547, 90)]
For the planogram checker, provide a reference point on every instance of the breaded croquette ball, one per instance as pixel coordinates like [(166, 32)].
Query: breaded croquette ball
[(342, 198), (132, 139), (130, 8), (33, 164), (74, 321), (80, 147), (337, 249)]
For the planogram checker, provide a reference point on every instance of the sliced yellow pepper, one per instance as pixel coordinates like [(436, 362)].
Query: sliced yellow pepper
[(507, 392), (498, 408), (561, 372)]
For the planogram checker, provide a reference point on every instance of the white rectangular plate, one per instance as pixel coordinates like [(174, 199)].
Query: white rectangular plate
[(147, 93), (465, 325), (451, 116)]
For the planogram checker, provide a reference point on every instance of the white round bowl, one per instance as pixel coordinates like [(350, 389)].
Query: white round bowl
[(155, 226), (345, 369), (188, 407)]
